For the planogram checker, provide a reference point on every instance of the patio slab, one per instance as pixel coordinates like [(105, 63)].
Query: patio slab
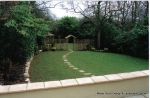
[(52, 84), (82, 81), (18, 88), (4, 89), (69, 82), (98, 79), (113, 77), (34, 86)]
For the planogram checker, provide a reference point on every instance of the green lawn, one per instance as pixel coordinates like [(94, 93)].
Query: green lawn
[(100, 63), (50, 66)]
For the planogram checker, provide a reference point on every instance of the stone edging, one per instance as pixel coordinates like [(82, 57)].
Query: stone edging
[(27, 67), (72, 82)]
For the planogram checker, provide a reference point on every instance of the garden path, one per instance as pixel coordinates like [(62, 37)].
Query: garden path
[(73, 67)]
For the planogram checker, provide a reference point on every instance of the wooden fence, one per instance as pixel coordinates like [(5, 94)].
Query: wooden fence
[(79, 44), (82, 44)]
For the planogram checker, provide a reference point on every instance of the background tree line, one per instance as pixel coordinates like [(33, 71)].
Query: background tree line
[(121, 26)]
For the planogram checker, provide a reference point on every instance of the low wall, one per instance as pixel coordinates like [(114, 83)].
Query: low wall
[(107, 86)]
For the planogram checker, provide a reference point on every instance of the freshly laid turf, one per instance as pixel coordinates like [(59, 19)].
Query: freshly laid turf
[(50, 66), (100, 63)]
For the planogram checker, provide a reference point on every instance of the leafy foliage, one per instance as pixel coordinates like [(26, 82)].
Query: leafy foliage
[(110, 31), (134, 42), (86, 29), (28, 26), (67, 25), (131, 40), (18, 37)]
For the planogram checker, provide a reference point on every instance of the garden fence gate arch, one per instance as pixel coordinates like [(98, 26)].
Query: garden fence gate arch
[(70, 40)]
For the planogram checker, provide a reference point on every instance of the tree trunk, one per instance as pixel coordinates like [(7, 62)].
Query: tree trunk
[(99, 40), (98, 25)]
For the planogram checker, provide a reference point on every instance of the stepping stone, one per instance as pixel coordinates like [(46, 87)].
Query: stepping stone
[(69, 63), (75, 68), (81, 71), (65, 60), (71, 66), (87, 73)]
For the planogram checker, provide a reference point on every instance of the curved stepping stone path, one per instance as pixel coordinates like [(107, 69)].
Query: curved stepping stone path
[(66, 61)]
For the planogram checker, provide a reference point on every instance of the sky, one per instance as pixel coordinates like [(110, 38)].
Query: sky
[(61, 13), (58, 11)]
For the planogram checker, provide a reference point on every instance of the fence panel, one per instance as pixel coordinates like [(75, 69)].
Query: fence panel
[(79, 44)]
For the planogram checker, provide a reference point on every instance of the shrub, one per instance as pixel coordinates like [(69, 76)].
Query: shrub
[(134, 42)]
